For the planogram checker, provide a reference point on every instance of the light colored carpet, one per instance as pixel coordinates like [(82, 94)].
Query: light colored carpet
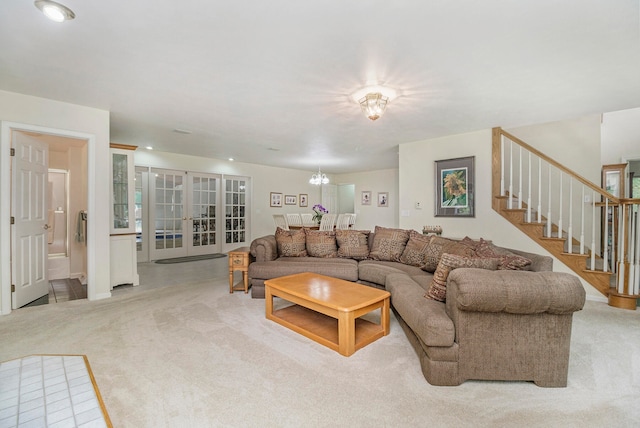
[(193, 355)]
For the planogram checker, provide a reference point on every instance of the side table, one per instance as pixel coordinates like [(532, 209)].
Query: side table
[(239, 260)]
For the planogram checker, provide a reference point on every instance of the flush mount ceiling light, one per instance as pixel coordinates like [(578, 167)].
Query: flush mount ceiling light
[(319, 178), (55, 11), (373, 100), (373, 105)]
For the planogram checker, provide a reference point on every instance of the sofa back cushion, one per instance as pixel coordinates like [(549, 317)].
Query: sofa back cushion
[(448, 262), (353, 244), (438, 246), (291, 243), (416, 250), (388, 244), (321, 243), (508, 260)]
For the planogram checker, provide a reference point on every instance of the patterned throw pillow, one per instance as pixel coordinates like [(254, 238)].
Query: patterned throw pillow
[(439, 246), (291, 243), (388, 244), (353, 244), (448, 262), (508, 260), (416, 249), (321, 243)]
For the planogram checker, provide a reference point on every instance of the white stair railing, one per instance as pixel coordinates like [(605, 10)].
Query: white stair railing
[(609, 232)]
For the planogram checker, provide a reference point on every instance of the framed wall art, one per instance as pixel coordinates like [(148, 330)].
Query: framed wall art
[(383, 199), (276, 200), (290, 199), (303, 199), (365, 198), (455, 187)]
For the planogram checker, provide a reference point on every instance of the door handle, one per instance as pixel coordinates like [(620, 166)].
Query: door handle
[(46, 226)]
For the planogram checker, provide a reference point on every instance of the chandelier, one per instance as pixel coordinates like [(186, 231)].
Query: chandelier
[(319, 178), (373, 105)]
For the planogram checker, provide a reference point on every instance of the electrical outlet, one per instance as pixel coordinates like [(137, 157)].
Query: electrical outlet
[(418, 205)]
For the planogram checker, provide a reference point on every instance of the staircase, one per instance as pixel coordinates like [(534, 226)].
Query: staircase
[(588, 229)]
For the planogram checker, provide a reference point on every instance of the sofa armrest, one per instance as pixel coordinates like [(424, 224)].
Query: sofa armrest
[(515, 292), (264, 249)]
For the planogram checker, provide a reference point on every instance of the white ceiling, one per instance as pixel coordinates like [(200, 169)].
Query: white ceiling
[(269, 82)]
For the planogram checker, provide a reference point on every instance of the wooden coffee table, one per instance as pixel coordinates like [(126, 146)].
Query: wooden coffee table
[(328, 310)]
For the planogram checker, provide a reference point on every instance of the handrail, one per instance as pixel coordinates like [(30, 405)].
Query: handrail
[(611, 225), (558, 165)]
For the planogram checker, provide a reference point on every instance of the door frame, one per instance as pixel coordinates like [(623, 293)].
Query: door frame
[(6, 186)]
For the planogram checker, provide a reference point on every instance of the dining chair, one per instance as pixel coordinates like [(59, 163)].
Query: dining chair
[(342, 222), (352, 220), (281, 221), (307, 220), (328, 222), (294, 219)]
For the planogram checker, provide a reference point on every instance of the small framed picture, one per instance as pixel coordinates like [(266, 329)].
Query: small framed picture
[(365, 198), (303, 200), (383, 199), (290, 199), (276, 199)]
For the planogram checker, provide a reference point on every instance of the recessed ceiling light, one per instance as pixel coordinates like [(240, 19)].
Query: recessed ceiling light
[(55, 11), (149, 148), (231, 159)]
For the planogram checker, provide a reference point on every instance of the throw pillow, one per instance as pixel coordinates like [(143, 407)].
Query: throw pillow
[(291, 243), (448, 262), (508, 260), (416, 249), (353, 244), (438, 246), (388, 244), (321, 243)]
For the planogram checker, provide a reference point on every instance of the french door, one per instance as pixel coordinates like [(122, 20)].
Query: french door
[(184, 213)]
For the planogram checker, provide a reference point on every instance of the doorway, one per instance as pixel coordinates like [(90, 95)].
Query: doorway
[(49, 186)]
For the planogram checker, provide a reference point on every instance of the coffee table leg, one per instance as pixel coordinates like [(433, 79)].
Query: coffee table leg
[(346, 333), (268, 302), (384, 316)]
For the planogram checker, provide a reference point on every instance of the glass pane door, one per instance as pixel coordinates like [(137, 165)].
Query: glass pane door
[(167, 200), (203, 214), (236, 228)]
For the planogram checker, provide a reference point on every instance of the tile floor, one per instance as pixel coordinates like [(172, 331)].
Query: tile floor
[(62, 290), (48, 391)]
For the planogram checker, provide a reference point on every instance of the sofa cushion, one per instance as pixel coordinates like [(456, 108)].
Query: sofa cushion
[(291, 243), (426, 318), (438, 288), (438, 246), (376, 271), (508, 260), (388, 244), (338, 268), (416, 249), (353, 244), (321, 243)]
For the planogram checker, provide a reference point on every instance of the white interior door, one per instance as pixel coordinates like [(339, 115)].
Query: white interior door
[(29, 208), (203, 213), (168, 218)]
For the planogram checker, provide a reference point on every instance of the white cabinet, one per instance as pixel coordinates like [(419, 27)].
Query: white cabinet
[(124, 269)]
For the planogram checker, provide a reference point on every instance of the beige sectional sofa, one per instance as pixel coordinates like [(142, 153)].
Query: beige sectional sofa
[(493, 324)]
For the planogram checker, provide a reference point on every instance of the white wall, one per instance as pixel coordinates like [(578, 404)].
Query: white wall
[(264, 179), (80, 122), (370, 216), (417, 179), (620, 136)]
